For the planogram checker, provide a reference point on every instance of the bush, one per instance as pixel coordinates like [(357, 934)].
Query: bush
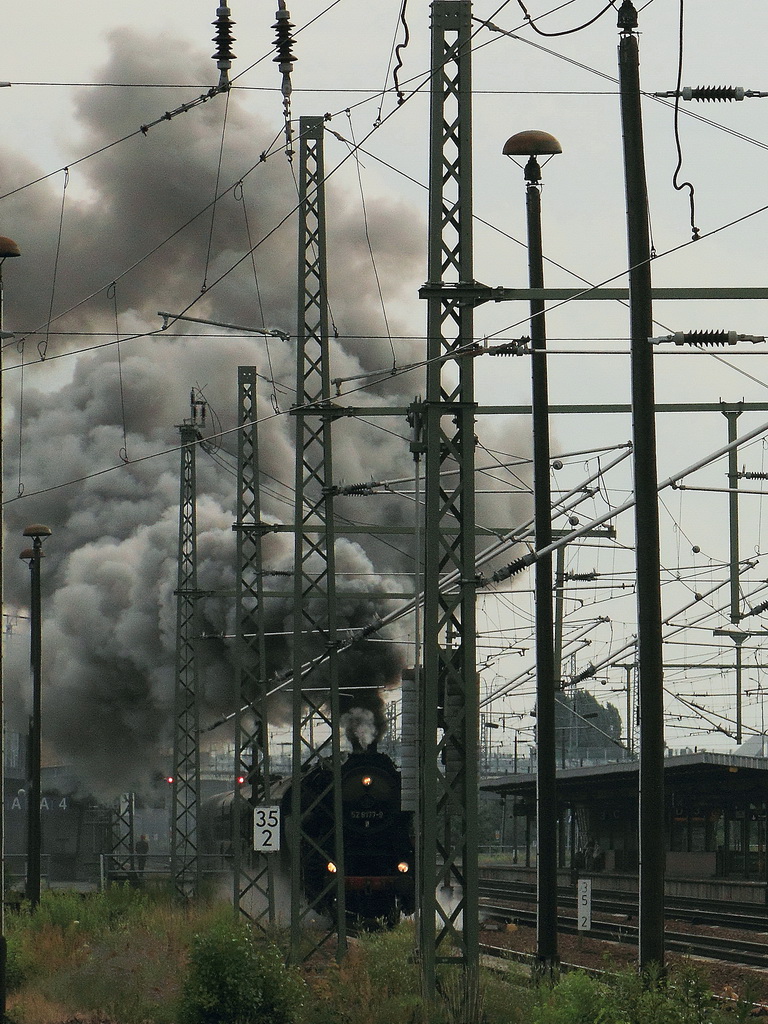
[(230, 980), (575, 999), (681, 996)]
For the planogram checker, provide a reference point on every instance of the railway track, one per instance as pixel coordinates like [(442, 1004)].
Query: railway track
[(739, 916), (612, 922)]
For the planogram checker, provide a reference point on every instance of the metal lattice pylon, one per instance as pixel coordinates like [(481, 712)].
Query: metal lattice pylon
[(448, 921), (120, 861), (185, 863), (253, 871), (315, 697)]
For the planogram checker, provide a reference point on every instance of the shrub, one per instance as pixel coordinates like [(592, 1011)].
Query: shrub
[(681, 996), (232, 981), (575, 999)]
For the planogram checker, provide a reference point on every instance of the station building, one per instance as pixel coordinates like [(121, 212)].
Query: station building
[(712, 825)]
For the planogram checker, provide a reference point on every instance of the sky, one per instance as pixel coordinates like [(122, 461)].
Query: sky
[(93, 394)]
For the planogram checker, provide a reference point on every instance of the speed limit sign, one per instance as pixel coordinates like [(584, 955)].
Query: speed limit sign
[(266, 829)]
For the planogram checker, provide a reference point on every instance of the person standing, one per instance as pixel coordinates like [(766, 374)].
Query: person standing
[(142, 849)]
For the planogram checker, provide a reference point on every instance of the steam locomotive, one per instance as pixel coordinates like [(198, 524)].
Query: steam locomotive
[(378, 841)]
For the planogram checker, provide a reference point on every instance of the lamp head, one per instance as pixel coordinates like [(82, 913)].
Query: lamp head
[(533, 144), (8, 247), (37, 530)]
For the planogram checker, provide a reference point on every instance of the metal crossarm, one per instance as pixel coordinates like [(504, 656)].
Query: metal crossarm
[(449, 744)]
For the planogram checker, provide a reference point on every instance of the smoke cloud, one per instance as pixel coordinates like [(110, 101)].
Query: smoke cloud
[(83, 432)]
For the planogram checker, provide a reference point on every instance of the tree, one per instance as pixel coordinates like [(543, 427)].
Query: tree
[(585, 728)]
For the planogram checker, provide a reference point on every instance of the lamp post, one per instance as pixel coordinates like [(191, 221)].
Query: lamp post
[(8, 250), (34, 556), (534, 144)]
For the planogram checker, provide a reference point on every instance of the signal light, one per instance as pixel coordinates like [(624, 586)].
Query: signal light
[(241, 779), (402, 867), (331, 868), (366, 780), (169, 779)]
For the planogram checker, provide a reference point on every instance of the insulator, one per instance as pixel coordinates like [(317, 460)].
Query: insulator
[(283, 41), (627, 16), (704, 339), (586, 673), (359, 489), (585, 577), (369, 630), (747, 474), (223, 38), (510, 348), (285, 60), (713, 93), (757, 610), (513, 568)]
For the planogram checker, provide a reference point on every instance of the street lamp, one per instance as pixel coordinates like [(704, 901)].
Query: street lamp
[(534, 144), (8, 250), (34, 556)]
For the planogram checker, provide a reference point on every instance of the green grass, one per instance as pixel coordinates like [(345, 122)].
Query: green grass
[(131, 957)]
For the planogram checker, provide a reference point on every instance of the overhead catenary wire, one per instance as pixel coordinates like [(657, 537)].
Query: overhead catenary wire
[(118, 348), (677, 184), (613, 278)]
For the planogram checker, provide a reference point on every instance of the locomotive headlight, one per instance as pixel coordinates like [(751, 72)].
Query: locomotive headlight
[(331, 867), (403, 867), (366, 780)]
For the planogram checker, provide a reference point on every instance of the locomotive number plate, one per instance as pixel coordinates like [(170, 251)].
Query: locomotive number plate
[(266, 829)]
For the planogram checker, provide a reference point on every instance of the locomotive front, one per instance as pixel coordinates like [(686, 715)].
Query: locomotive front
[(378, 840), (379, 856)]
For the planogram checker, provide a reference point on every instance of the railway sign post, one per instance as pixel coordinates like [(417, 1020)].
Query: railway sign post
[(584, 904), (266, 828)]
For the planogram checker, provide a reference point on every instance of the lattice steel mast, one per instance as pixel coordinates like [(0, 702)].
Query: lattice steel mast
[(315, 711), (449, 760), (120, 862), (185, 863), (253, 872)]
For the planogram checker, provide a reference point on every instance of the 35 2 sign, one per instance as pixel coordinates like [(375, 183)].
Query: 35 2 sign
[(266, 829)]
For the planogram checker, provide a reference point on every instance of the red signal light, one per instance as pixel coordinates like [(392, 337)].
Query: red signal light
[(169, 779), (241, 779)]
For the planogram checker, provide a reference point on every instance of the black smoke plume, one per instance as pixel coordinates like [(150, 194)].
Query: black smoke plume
[(85, 425)]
